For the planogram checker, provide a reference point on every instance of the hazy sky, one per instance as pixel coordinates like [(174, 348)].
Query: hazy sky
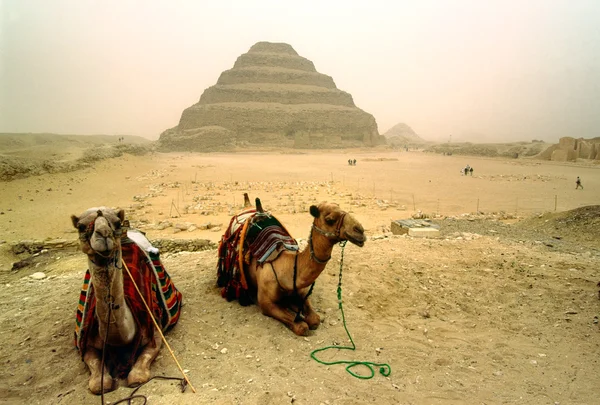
[(499, 70)]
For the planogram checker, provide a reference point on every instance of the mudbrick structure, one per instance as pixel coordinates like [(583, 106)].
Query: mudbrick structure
[(571, 149), (272, 96)]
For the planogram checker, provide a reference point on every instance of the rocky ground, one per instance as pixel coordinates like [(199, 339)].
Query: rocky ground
[(501, 307)]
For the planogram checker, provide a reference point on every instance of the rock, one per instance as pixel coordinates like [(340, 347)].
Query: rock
[(38, 276)]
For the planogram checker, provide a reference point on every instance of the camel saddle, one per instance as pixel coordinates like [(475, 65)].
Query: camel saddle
[(250, 234)]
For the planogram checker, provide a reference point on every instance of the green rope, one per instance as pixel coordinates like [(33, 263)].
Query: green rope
[(384, 368)]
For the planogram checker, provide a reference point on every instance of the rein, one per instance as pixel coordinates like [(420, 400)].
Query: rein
[(384, 368)]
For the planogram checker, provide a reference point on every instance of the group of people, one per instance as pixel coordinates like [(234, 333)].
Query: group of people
[(467, 170), (352, 162)]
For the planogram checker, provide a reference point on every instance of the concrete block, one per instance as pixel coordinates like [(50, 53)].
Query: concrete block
[(423, 232), (402, 226)]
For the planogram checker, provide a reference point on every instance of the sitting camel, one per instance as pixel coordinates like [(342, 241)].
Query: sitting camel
[(271, 271), (129, 335)]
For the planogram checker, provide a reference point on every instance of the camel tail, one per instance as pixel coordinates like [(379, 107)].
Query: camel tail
[(246, 200), (259, 207)]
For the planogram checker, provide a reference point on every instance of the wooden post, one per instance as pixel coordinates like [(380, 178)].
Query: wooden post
[(414, 206), (555, 201), (478, 205)]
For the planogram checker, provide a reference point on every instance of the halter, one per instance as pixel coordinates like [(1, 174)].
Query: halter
[(89, 231), (327, 234)]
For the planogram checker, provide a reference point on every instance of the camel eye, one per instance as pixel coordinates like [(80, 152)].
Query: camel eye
[(82, 227), (330, 221)]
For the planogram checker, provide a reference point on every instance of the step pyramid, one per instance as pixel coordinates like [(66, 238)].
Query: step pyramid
[(272, 96)]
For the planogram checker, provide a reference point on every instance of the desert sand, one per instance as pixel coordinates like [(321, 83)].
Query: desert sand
[(489, 312)]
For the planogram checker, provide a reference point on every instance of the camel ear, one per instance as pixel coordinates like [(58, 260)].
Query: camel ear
[(314, 211), (75, 220), (121, 215)]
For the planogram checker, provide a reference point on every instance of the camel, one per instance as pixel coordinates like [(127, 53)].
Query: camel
[(100, 237), (281, 285)]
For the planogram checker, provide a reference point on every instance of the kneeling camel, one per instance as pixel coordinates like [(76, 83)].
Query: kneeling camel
[(128, 335), (281, 283)]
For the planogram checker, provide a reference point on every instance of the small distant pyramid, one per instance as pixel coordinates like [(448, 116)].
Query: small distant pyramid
[(272, 96), (402, 134)]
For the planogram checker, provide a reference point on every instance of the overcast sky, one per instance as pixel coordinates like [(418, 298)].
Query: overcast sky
[(477, 70)]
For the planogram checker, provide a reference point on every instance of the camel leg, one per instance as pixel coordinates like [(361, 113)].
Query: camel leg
[(93, 359), (310, 316), (273, 310), (140, 372)]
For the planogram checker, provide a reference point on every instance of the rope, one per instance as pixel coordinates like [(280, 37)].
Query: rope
[(384, 368), (158, 328)]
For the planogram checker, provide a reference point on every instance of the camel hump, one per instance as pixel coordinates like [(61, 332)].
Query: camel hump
[(246, 200), (259, 207)]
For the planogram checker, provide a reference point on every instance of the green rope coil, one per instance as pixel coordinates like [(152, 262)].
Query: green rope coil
[(384, 368)]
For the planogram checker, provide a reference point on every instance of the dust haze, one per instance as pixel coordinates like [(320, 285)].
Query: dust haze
[(475, 71)]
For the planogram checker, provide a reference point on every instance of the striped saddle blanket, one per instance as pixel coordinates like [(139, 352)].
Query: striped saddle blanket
[(154, 283), (249, 235)]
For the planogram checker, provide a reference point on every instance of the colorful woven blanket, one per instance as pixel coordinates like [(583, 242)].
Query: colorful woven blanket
[(249, 235), (153, 281)]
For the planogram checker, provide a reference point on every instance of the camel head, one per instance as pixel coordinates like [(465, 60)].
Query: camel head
[(337, 225), (99, 230)]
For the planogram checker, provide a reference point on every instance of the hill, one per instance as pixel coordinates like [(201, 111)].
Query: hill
[(403, 135), (510, 150), (23, 155)]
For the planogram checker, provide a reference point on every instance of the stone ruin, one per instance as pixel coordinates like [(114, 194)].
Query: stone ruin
[(571, 149), (272, 97)]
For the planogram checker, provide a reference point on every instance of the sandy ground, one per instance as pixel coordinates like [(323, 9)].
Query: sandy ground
[(466, 318)]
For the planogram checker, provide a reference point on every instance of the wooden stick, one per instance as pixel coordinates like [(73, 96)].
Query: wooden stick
[(157, 327)]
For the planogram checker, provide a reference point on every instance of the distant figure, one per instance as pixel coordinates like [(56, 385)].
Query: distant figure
[(354, 162), (471, 171), (349, 162), (578, 183)]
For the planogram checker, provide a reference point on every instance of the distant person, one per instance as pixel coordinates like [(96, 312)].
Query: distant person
[(349, 162), (578, 183), (471, 171), (354, 162)]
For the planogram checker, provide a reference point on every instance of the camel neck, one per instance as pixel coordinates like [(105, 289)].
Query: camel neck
[(308, 268), (108, 288)]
